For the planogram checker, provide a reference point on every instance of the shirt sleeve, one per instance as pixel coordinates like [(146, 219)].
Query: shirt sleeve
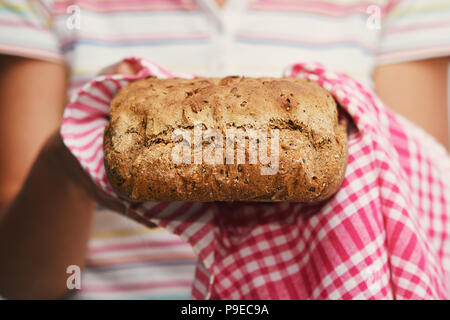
[(25, 30), (414, 30)]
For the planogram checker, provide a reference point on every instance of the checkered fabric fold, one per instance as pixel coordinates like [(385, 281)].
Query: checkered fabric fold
[(384, 234)]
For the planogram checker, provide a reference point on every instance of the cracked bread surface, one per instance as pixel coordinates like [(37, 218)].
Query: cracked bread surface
[(143, 116)]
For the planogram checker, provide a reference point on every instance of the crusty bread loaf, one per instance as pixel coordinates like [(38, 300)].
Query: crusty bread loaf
[(139, 140)]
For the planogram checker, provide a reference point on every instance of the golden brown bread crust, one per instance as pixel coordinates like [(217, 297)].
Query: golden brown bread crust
[(138, 140)]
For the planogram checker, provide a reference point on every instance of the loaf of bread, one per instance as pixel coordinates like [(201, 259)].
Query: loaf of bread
[(293, 147)]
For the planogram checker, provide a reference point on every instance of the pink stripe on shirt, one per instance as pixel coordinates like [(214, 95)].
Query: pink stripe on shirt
[(135, 286), (318, 7), (135, 245), (23, 23), (108, 6)]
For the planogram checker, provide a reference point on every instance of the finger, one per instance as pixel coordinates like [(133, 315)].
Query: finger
[(126, 68)]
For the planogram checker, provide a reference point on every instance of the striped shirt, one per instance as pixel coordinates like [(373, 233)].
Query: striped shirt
[(252, 38)]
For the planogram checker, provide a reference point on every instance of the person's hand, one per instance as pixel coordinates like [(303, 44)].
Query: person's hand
[(63, 160)]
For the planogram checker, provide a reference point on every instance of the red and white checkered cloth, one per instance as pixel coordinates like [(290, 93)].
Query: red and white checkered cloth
[(385, 234)]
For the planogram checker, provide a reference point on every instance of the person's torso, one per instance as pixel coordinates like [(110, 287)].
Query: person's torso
[(251, 38)]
